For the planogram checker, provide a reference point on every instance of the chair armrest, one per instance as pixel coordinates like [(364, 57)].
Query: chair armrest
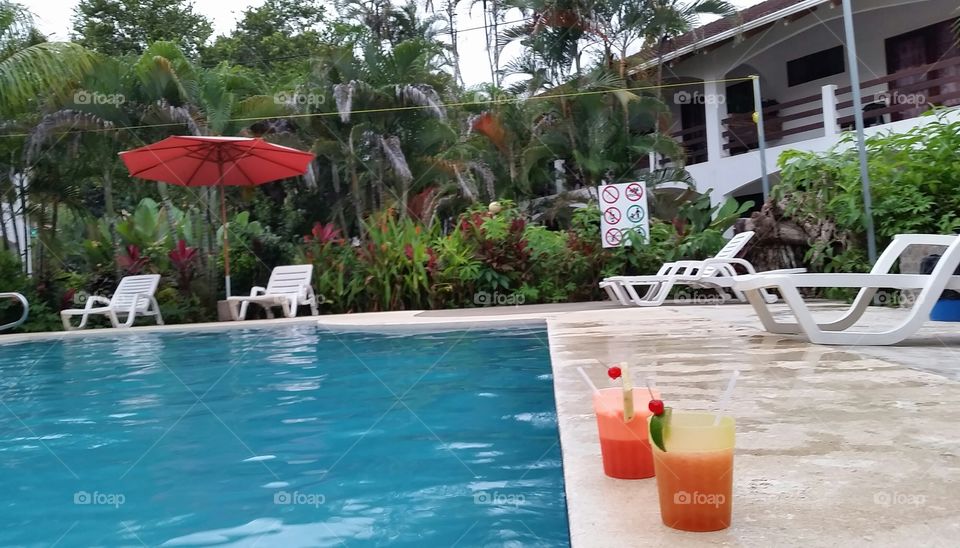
[(730, 261), (94, 300), (136, 300), (257, 290)]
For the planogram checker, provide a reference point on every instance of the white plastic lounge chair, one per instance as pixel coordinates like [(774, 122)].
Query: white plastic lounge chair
[(133, 297), (715, 273), (289, 287), (839, 331), (23, 317)]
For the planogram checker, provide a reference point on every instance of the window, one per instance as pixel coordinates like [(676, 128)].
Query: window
[(815, 66)]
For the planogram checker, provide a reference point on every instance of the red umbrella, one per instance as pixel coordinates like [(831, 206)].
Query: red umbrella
[(216, 161)]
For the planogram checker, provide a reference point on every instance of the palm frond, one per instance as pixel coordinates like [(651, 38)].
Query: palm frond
[(62, 121), (422, 95), (41, 69)]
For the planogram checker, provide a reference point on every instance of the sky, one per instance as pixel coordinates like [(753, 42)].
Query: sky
[(53, 18)]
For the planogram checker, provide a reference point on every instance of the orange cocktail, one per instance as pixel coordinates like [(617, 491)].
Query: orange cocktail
[(625, 446), (695, 473)]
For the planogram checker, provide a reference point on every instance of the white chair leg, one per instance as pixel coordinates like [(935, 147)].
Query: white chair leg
[(156, 310), (243, 309), (755, 298), (114, 321), (657, 294), (66, 322)]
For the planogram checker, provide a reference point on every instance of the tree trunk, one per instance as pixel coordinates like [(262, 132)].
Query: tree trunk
[(452, 20), (168, 205), (111, 218), (357, 198)]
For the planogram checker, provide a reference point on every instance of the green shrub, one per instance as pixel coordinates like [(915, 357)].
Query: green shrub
[(914, 180)]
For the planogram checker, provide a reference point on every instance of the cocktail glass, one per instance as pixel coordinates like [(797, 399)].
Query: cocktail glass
[(695, 473), (625, 446)]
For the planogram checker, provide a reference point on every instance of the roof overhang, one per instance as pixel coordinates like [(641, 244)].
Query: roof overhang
[(723, 36)]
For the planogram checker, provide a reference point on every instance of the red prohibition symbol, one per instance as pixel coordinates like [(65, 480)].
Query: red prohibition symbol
[(634, 192), (612, 215), (610, 194), (614, 236)]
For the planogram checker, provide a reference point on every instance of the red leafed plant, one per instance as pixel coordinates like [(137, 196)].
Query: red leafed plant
[(184, 259), (133, 262), (324, 234), (320, 238)]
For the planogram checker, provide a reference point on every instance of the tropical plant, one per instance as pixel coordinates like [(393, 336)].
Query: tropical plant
[(913, 187)]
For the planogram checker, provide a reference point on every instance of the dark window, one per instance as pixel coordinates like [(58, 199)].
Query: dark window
[(815, 66)]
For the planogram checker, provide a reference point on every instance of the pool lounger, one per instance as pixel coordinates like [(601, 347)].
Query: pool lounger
[(839, 331), (289, 287), (133, 297)]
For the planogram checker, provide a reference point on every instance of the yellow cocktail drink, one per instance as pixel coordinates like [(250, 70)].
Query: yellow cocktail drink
[(695, 473)]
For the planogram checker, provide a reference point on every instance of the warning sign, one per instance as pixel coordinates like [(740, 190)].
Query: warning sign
[(624, 208)]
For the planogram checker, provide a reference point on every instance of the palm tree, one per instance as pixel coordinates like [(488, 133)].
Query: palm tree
[(163, 88), (31, 67), (668, 19)]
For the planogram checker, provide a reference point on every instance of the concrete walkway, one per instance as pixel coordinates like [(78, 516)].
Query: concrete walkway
[(836, 446)]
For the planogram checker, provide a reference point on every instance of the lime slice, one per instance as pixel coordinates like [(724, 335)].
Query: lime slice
[(658, 428)]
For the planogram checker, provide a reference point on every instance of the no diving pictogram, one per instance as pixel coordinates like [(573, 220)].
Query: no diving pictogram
[(635, 214), (634, 192), (610, 194), (613, 236), (612, 215)]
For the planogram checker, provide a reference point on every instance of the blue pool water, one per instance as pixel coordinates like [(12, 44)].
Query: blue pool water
[(290, 436)]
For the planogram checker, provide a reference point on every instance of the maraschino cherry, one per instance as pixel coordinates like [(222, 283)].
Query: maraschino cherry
[(614, 372), (656, 407)]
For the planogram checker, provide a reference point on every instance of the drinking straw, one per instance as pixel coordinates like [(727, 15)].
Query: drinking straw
[(587, 379), (627, 392), (725, 398)]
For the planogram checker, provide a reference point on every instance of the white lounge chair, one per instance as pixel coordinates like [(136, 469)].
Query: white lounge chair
[(839, 331), (23, 317), (133, 297), (715, 273), (289, 287)]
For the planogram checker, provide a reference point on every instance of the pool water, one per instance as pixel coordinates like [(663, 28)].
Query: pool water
[(292, 436)]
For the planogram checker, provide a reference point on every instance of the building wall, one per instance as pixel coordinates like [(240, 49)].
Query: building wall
[(768, 52)]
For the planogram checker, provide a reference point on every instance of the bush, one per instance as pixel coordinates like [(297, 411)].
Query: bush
[(914, 181)]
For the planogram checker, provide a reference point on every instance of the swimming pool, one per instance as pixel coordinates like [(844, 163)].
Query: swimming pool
[(292, 436)]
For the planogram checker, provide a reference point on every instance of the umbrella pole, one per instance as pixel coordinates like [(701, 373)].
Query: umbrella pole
[(226, 239)]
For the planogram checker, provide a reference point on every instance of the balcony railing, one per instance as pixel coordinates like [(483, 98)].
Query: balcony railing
[(694, 142), (883, 99)]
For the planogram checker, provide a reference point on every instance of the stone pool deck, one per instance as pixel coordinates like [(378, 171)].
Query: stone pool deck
[(850, 446)]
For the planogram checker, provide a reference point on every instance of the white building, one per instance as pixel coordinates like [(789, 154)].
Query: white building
[(18, 233), (908, 60)]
